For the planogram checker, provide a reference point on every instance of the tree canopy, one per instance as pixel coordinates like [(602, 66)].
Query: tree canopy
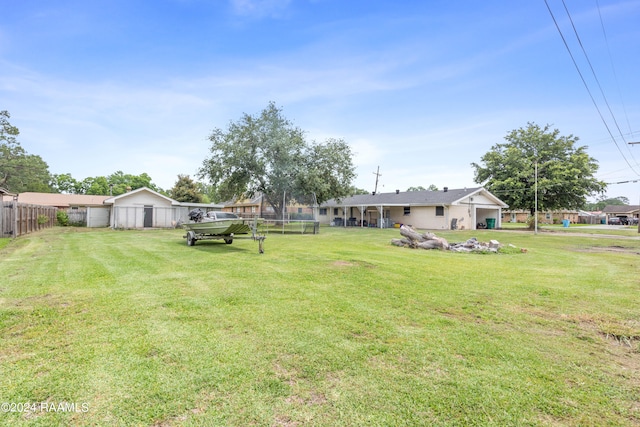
[(603, 201), (186, 190), (432, 187), (19, 171), (115, 184), (267, 154), (565, 174)]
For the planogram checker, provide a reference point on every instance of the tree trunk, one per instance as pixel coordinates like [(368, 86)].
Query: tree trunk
[(414, 239)]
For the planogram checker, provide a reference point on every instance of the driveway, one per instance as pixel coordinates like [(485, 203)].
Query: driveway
[(603, 227)]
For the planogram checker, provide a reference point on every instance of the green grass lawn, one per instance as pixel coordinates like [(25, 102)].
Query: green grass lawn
[(340, 328)]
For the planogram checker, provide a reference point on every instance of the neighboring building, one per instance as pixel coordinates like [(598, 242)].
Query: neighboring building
[(467, 208), (249, 207), (61, 201), (622, 211), (145, 208), (81, 208), (596, 217), (259, 207), (139, 208), (548, 217)]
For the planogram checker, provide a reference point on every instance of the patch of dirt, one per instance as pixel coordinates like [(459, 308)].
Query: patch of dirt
[(285, 421), (353, 263), (343, 264)]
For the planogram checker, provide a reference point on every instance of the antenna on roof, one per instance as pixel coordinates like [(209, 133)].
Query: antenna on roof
[(377, 174)]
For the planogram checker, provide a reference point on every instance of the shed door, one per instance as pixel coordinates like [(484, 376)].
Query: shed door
[(148, 216)]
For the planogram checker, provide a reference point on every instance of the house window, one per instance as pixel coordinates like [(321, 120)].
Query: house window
[(299, 210), (323, 211), (439, 210), (335, 211), (407, 210)]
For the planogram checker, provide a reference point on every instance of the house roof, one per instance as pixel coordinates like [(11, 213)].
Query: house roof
[(413, 198), (621, 209), (255, 200), (111, 200), (61, 200)]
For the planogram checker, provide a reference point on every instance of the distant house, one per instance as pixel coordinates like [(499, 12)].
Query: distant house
[(81, 208), (546, 217), (249, 207), (467, 208), (622, 211), (259, 207), (61, 201)]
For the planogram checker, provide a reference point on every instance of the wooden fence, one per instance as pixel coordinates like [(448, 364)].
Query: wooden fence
[(17, 219)]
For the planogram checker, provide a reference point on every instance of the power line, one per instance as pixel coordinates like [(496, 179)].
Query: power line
[(584, 82), (593, 71), (613, 68)]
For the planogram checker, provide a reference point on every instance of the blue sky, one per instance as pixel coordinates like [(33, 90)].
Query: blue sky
[(419, 88)]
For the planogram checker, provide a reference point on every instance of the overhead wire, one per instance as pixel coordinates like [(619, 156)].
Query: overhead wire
[(593, 71), (584, 82), (613, 68)]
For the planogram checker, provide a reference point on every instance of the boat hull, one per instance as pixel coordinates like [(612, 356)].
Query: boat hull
[(222, 227)]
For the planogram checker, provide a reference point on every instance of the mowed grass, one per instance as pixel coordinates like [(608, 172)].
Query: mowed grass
[(339, 328)]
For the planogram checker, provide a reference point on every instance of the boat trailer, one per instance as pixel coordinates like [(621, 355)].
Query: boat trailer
[(192, 237)]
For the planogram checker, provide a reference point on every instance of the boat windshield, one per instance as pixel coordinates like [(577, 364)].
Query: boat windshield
[(221, 215)]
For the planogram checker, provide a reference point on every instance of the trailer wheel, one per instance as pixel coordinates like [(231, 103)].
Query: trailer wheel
[(228, 241), (191, 238)]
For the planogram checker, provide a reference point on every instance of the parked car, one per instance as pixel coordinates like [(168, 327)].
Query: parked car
[(628, 220), (614, 220)]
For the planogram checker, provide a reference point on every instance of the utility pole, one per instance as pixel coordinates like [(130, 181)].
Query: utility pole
[(377, 174)]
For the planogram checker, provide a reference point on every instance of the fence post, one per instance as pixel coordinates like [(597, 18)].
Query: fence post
[(14, 233)]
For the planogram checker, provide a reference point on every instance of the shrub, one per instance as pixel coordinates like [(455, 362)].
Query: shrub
[(63, 218), (531, 222), (42, 219)]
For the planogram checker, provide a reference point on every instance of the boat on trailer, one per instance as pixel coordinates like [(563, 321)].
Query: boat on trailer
[(216, 225)]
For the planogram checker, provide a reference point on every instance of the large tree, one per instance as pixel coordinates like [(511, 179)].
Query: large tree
[(65, 183), (565, 172), (117, 183), (267, 154), (20, 171), (603, 201), (186, 190)]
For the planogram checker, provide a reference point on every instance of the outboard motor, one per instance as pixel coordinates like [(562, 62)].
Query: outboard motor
[(196, 215)]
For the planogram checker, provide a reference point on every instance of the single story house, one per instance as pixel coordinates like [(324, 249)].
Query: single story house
[(81, 208), (258, 207), (61, 201), (547, 217), (622, 211), (449, 209)]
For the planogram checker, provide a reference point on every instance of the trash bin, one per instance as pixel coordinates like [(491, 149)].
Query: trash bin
[(565, 223), (491, 223)]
